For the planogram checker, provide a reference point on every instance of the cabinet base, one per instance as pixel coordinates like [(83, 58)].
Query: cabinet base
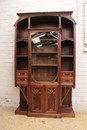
[(64, 112), (67, 111)]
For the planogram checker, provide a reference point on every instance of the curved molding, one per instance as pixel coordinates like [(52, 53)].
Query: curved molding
[(19, 20), (69, 18)]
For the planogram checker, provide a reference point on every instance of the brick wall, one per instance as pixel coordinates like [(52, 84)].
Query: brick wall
[(9, 95)]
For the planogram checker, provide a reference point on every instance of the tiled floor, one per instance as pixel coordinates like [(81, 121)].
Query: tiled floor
[(10, 121)]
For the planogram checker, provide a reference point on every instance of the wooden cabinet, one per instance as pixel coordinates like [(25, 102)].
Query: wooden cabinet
[(45, 63)]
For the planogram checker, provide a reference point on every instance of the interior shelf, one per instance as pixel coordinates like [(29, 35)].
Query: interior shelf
[(22, 40), (67, 39), (67, 64), (22, 48), (44, 21), (47, 39), (22, 63), (37, 52), (67, 56), (44, 65), (21, 56)]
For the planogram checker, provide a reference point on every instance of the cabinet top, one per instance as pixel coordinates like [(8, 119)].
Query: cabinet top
[(69, 13)]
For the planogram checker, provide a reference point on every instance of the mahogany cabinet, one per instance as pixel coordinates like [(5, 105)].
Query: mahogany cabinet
[(45, 63)]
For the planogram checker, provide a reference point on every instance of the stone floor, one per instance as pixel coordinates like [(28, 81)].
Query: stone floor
[(10, 121)]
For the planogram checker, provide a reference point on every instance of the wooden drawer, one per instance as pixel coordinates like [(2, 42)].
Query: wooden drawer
[(21, 73), (66, 80), (22, 80), (66, 74)]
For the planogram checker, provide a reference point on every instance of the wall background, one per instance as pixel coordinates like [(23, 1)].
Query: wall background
[(9, 95)]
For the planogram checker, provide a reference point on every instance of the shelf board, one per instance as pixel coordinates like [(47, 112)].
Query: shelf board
[(37, 65), (66, 56), (21, 55), (44, 28), (33, 52), (22, 40), (67, 39), (67, 71), (48, 39)]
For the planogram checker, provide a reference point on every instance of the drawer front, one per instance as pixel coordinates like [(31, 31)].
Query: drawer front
[(22, 80), (67, 80), (23, 73), (66, 74)]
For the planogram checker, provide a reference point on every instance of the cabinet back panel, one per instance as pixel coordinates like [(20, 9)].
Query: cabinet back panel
[(67, 64), (22, 48), (67, 28), (44, 59), (44, 21), (67, 48), (22, 63), (44, 73)]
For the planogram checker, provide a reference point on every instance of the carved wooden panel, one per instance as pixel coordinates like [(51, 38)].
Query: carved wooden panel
[(36, 99), (52, 99)]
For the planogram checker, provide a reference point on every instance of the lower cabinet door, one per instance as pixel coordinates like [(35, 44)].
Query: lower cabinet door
[(52, 99), (44, 99), (37, 99)]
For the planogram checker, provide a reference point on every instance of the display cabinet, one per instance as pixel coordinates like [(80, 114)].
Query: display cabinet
[(45, 63)]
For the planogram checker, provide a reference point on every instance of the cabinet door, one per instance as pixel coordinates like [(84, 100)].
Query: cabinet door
[(52, 99), (37, 99)]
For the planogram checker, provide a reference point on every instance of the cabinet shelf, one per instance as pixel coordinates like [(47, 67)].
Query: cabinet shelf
[(67, 39), (21, 56), (66, 56), (22, 40), (33, 52), (37, 65), (48, 39)]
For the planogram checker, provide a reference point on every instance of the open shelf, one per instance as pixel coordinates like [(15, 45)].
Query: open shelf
[(67, 64), (67, 28), (22, 63), (44, 21), (22, 48), (22, 29), (67, 47)]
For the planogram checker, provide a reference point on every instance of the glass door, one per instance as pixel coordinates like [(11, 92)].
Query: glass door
[(44, 56)]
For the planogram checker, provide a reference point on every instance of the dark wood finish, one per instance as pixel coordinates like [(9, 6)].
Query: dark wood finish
[(45, 63)]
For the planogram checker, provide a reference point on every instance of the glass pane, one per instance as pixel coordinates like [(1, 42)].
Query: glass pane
[(44, 57)]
